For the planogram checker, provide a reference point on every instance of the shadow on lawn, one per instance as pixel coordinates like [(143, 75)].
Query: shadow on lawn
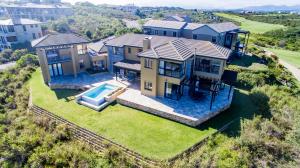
[(242, 107), (66, 94)]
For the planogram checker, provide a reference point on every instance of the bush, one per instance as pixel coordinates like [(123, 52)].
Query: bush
[(28, 59)]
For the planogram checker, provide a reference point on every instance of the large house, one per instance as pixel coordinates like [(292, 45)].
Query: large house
[(224, 34), (17, 30), (163, 64)]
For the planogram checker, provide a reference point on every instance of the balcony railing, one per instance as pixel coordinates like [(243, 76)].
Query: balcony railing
[(58, 59)]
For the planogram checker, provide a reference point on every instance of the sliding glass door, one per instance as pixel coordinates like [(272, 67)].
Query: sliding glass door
[(173, 91), (55, 70)]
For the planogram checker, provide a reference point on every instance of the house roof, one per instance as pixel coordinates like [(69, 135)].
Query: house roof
[(223, 27), (99, 46), (171, 47), (165, 24), (128, 64), (22, 21), (193, 26), (32, 5), (58, 39), (175, 17)]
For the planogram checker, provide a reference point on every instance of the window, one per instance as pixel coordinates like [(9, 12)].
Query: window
[(165, 33), (11, 38), (194, 36), (156, 32), (31, 26), (116, 50), (171, 69), (174, 34), (208, 66), (40, 35), (129, 50), (148, 86), (1, 28), (36, 25), (33, 36), (81, 64), (140, 50), (214, 39), (148, 63), (10, 28), (2, 40), (24, 28)]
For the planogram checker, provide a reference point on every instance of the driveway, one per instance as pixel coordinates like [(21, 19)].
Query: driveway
[(294, 70)]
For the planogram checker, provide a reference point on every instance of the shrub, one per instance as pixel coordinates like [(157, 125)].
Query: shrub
[(28, 59)]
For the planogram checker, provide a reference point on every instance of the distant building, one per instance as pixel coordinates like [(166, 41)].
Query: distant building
[(36, 11), (14, 31), (178, 18)]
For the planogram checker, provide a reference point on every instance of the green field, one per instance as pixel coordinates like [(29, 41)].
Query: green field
[(252, 26), (291, 57)]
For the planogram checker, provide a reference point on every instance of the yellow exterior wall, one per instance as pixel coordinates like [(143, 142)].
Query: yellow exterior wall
[(149, 75), (211, 75), (133, 55), (43, 64), (67, 68), (161, 80)]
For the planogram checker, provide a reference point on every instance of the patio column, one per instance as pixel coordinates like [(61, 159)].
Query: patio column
[(74, 60), (44, 65)]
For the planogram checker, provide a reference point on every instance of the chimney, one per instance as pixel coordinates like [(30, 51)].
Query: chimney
[(146, 43)]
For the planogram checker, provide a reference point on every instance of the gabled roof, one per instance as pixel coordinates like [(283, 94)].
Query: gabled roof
[(193, 26), (58, 39), (22, 22), (173, 50), (223, 27), (175, 18), (165, 24)]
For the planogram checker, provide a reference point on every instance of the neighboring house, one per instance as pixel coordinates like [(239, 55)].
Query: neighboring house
[(36, 11), (62, 54), (225, 34), (164, 64), (164, 28), (16, 30), (178, 18)]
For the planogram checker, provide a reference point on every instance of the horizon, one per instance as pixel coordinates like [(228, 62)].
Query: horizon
[(191, 4)]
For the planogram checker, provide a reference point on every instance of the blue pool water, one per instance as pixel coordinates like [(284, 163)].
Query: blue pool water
[(96, 96)]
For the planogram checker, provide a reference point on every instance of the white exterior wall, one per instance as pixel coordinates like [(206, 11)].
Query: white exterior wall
[(22, 36)]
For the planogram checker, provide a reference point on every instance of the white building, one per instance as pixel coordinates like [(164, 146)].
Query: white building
[(14, 31)]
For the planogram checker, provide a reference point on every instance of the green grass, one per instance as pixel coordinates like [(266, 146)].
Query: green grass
[(147, 134), (291, 57), (144, 133), (252, 26)]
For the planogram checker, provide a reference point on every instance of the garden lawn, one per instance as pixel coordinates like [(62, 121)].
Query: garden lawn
[(291, 57), (252, 26), (149, 135)]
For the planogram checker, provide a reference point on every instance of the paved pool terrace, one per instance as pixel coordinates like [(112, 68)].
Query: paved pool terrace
[(186, 110)]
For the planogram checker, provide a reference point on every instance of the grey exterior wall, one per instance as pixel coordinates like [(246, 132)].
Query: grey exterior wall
[(112, 58), (151, 31)]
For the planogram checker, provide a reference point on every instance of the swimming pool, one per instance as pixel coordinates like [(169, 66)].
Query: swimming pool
[(97, 95)]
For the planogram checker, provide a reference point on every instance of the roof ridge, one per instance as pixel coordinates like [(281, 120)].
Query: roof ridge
[(215, 46), (43, 38), (172, 44)]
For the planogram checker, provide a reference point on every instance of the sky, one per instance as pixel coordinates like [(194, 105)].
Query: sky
[(200, 4)]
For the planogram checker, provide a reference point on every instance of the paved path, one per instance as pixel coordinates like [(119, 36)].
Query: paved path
[(7, 65), (294, 70)]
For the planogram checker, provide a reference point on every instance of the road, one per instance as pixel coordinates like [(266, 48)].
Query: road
[(295, 71), (7, 65)]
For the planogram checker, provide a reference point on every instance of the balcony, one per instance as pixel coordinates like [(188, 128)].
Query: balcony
[(58, 59)]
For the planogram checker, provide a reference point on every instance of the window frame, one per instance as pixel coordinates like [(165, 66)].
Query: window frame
[(148, 63), (148, 86)]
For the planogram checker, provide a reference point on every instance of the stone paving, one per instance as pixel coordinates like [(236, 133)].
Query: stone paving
[(186, 110)]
